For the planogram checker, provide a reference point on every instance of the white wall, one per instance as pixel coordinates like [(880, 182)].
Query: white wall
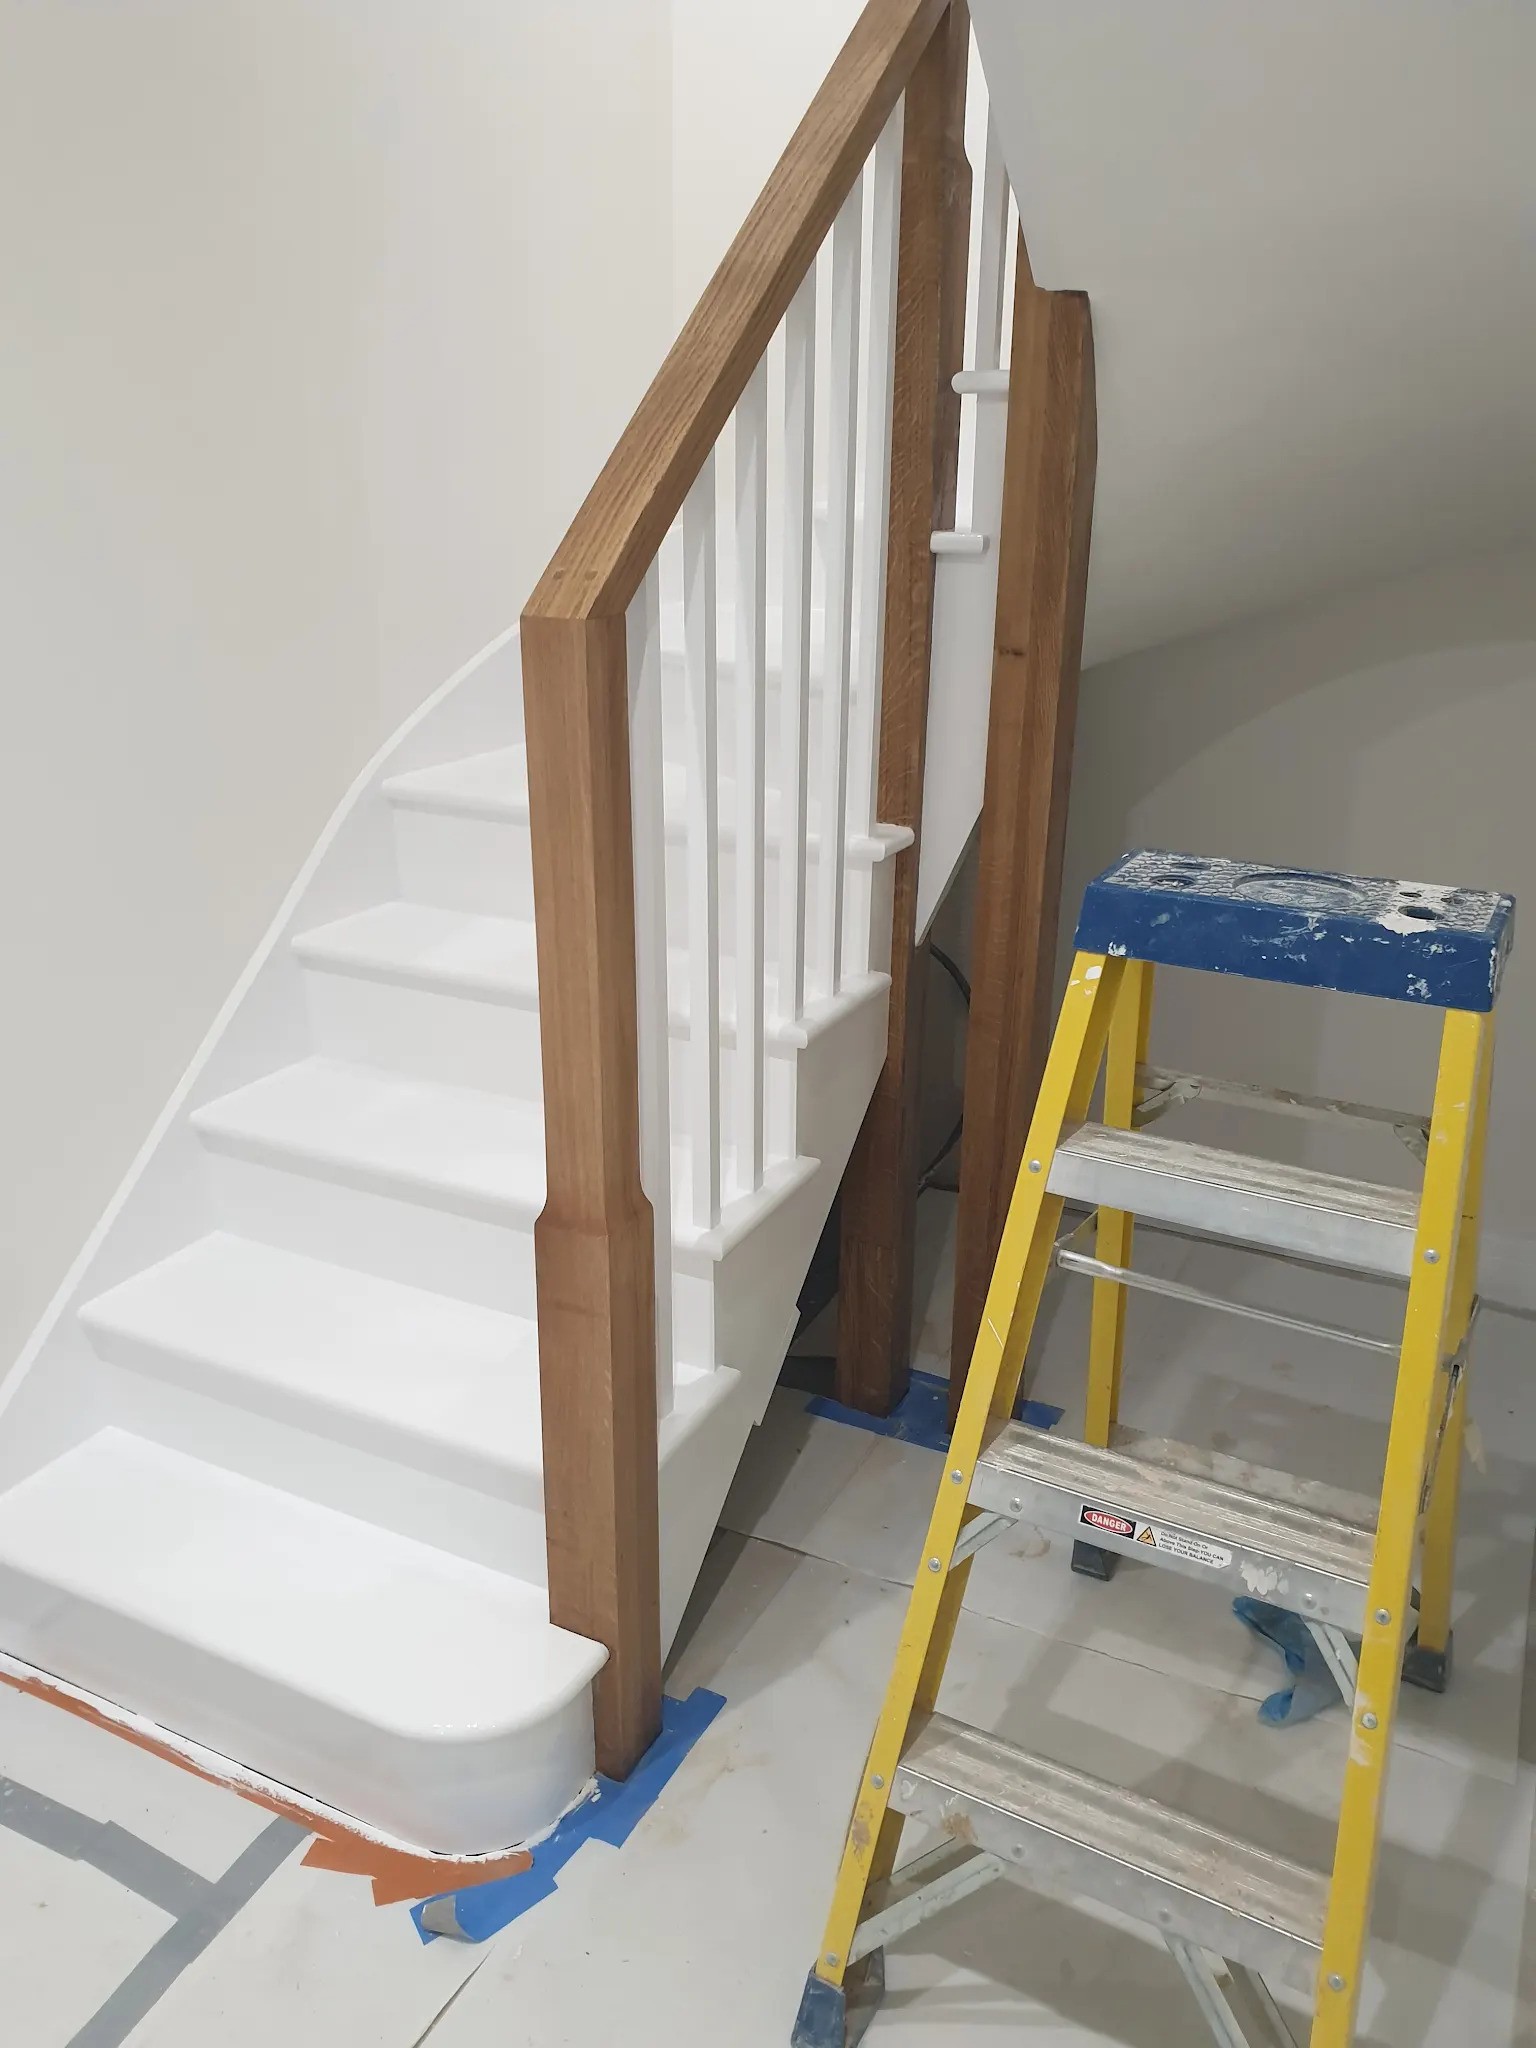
[(743, 73), (318, 321), (1390, 732), (1306, 235)]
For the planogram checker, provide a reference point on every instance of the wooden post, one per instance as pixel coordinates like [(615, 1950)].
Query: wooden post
[(1041, 584), (594, 1248), (874, 1330), (594, 1245)]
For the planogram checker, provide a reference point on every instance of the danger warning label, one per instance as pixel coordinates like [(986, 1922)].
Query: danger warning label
[(1108, 1521), (1175, 1543)]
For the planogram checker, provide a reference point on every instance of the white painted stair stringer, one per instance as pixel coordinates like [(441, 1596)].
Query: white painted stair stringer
[(309, 1312)]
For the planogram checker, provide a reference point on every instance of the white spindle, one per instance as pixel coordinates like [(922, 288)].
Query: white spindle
[(751, 711), (843, 417), (799, 486), (992, 255), (880, 356), (703, 797), (648, 824)]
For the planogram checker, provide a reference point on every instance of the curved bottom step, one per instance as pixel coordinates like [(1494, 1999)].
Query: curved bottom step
[(426, 1696)]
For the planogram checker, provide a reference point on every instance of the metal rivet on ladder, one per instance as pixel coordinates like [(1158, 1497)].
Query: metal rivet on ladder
[(1016, 1505), (832, 1960), (934, 1565), (1383, 1616), (1335, 1982), (958, 1476), (1431, 1257), (877, 1781), (1368, 1721), (1034, 1167)]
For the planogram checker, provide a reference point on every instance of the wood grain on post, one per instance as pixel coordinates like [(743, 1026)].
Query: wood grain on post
[(1042, 581), (594, 1253), (879, 1200), (594, 1247)]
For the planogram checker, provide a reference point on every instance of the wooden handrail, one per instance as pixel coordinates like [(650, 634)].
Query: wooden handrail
[(594, 1243), (614, 537)]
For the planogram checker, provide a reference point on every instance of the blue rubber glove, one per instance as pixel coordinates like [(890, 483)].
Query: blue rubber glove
[(1313, 1685)]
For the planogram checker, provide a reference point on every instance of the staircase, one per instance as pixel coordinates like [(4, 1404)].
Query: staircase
[(273, 1468)]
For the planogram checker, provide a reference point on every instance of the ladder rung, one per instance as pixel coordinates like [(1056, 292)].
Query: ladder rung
[(1321, 1216), (1233, 1526), (1075, 1837)]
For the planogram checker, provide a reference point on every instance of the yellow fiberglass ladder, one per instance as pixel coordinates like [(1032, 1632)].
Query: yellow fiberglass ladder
[(1233, 1914)]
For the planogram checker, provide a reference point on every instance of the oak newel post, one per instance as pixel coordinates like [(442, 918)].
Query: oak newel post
[(593, 1244)]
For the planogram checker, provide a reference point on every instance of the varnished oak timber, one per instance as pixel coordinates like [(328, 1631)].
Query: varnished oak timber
[(593, 1243), (879, 1197), (1041, 586), (615, 535)]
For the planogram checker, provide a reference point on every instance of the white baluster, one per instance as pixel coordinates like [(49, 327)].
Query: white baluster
[(648, 825), (843, 417), (700, 654), (751, 712), (794, 708), (992, 255), (864, 732)]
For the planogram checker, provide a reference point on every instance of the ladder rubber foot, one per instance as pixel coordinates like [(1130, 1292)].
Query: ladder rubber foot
[(1429, 1670), (836, 2015), (1093, 1563)]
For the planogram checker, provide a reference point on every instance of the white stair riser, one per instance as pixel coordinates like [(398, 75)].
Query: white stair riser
[(435, 1035), (469, 1796), (471, 1042), (418, 1243), (391, 1235), (490, 1513), (485, 866)]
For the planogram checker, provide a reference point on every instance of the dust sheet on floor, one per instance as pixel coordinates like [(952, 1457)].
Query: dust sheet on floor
[(700, 1925), (691, 1926)]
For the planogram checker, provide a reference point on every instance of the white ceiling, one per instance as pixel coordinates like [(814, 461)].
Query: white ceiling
[(1309, 237)]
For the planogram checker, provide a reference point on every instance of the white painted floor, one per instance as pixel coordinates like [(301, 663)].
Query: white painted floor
[(701, 1928)]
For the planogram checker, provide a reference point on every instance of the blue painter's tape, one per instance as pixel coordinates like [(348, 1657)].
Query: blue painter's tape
[(922, 1414), (608, 1814), (1412, 942)]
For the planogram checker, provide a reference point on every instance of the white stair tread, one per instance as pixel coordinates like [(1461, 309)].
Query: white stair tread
[(495, 786), (465, 1150), (395, 1368), (420, 1138), (495, 959), (380, 1628)]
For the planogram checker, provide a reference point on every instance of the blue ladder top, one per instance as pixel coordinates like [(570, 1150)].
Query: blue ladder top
[(1413, 942)]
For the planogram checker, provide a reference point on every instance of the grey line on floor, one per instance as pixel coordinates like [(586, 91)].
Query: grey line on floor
[(106, 1847), (184, 1941)]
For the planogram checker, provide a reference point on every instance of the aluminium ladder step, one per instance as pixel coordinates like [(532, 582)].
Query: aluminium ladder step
[(1072, 1836), (1232, 1525), (1232, 1195)]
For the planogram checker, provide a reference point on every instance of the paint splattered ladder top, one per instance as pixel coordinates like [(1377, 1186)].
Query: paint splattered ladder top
[(1413, 942)]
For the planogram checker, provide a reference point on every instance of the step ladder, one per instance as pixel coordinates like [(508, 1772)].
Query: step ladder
[(1236, 1918)]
